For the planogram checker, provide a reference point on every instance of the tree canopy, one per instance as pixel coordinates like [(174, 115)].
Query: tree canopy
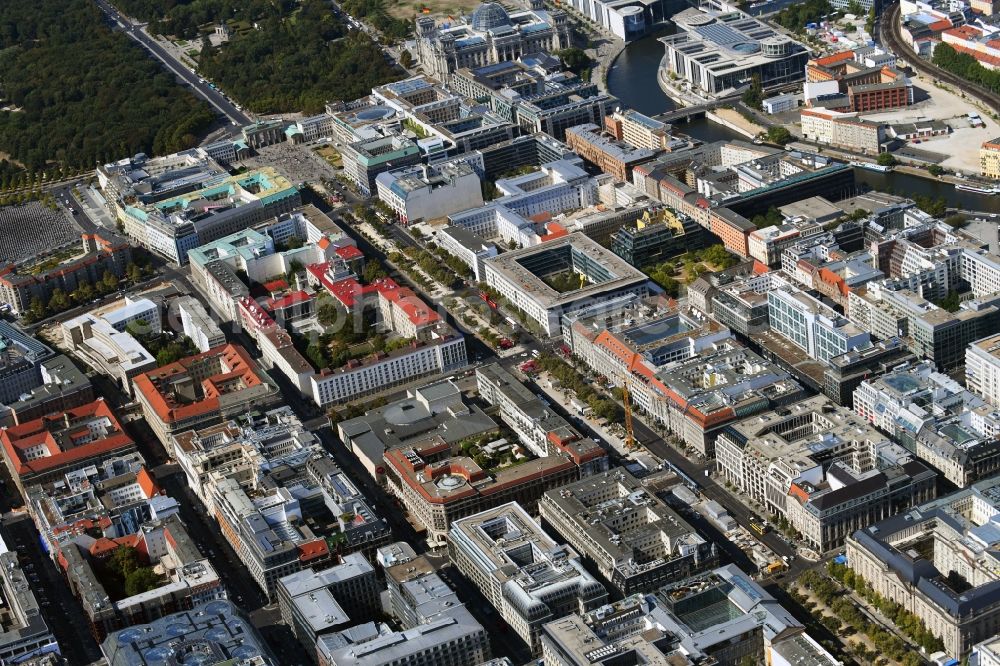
[(795, 17), (298, 65), (82, 93), (182, 18), (965, 66)]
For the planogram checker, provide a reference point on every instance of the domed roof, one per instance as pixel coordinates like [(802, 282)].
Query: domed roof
[(489, 16)]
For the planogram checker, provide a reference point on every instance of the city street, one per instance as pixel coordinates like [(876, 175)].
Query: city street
[(200, 86)]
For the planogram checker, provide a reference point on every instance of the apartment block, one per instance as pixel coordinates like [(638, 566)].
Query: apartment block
[(188, 579), (844, 130), (538, 428), (989, 159), (25, 632), (102, 252)]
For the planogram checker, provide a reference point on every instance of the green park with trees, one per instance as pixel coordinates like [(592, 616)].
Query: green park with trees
[(75, 93), (297, 62)]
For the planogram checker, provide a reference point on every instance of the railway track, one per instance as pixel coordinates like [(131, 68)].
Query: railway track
[(890, 37)]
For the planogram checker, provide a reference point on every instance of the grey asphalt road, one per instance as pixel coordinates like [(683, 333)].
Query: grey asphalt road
[(201, 87)]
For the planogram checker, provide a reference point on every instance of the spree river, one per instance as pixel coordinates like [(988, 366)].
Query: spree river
[(632, 79)]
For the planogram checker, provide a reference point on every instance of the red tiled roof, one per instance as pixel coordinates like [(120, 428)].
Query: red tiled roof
[(835, 58), (16, 440), (349, 252), (555, 230), (240, 369), (964, 32), (760, 268), (147, 483), (102, 546), (312, 550), (275, 285), (288, 300), (938, 26), (418, 312), (978, 55)]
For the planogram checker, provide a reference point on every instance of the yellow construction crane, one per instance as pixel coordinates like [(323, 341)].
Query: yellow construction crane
[(630, 443)]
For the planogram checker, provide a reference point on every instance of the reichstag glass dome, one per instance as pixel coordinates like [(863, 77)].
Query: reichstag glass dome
[(489, 16)]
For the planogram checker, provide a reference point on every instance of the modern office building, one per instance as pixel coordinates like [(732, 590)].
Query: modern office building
[(21, 358), (626, 19), (636, 541), (364, 160), (720, 53), (455, 638), (267, 531), (217, 628), (657, 238), (315, 602), (936, 561), (527, 577), (845, 373), (583, 272), (933, 416), (488, 36), (175, 203), (523, 214), (425, 193), (929, 331), (718, 617), (681, 368), (823, 468), (811, 325)]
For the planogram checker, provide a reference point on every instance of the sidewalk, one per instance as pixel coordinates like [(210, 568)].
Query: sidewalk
[(557, 395)]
